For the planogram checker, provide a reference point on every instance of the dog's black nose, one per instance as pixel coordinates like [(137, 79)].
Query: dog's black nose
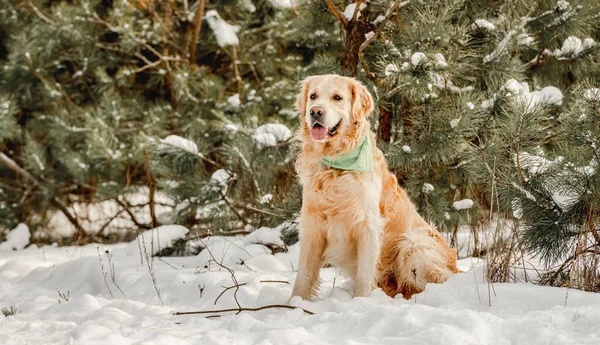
[(317, 113)]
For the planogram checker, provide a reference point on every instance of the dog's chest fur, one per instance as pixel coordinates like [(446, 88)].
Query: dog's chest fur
[(346, 203)]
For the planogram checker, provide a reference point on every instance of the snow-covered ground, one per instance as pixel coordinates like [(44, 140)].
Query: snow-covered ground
[(80, 295)]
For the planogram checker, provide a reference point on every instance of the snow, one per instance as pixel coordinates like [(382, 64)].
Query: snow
[(220, 177), (391, 69), (525, 39), (224, 32), (572, 47), (454, 122), (272, 133), (440, 60), (16, 239), (108, 216), (443, 82), (156, 240), (234, 100), (465, 310), (427, 188), (282, 4), (536, 164), (500, 48), (470, 105), (549, 95), (248, 5), (265, 199), (463, 204), (265, 235), (483, 24), (418, 58), (349, 11), (406, 148), (182, 143), (592, 94)]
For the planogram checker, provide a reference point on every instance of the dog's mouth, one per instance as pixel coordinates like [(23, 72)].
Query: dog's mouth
[(320, 133)]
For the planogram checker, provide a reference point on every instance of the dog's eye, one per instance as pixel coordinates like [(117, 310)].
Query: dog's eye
[(313, 96), (337, 98)]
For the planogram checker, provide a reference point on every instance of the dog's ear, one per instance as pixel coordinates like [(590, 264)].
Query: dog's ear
[(362, 101), (302, 97)]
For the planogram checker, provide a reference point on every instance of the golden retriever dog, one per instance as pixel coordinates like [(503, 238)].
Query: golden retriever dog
[(358, 220)]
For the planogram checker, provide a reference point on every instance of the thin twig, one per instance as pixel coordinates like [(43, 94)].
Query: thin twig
[(104, 273), (196, 32), (113, 273), (233, 277), (283, 306), (236, 70), (151, 270), (151, 192), (39, 13), (336, 12)]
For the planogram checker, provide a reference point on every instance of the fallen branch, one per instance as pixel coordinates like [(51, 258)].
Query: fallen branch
[(271, 306)]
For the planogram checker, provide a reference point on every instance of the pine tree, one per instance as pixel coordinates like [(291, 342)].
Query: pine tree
[(472, 98), (91, 92)]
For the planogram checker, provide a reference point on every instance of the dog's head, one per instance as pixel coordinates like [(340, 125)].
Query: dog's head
[(334, 110)]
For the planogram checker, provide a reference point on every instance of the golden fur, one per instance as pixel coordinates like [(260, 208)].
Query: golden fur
[(361, 222)]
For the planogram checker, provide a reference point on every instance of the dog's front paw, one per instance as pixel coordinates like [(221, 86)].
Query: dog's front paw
[(363, 289)]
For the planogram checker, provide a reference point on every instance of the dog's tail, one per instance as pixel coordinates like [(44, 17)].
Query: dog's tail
[(420, 256)]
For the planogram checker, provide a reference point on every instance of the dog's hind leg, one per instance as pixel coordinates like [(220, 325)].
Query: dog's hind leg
[(422, 257)]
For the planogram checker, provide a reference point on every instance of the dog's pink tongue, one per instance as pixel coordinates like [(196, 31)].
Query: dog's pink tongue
[(318, 132)]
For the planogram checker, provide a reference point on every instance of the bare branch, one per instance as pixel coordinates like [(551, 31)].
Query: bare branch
[(80, 233), (373, 37), (279, 306), (196, 32), (334, 10)]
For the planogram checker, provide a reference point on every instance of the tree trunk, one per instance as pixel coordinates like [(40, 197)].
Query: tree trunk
[(355, 37), (384, 128)]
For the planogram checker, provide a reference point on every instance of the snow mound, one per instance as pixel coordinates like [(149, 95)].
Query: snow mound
[(16, 239), (265, 235), (156, 239), (182, 143), (463, 204), (224, 32), (116, 302), (272, 133)]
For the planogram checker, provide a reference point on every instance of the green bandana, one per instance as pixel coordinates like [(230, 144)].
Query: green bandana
[(360, 159)]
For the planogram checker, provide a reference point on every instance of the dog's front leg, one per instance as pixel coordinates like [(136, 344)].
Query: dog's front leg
[(312, 247), (368, 248)]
